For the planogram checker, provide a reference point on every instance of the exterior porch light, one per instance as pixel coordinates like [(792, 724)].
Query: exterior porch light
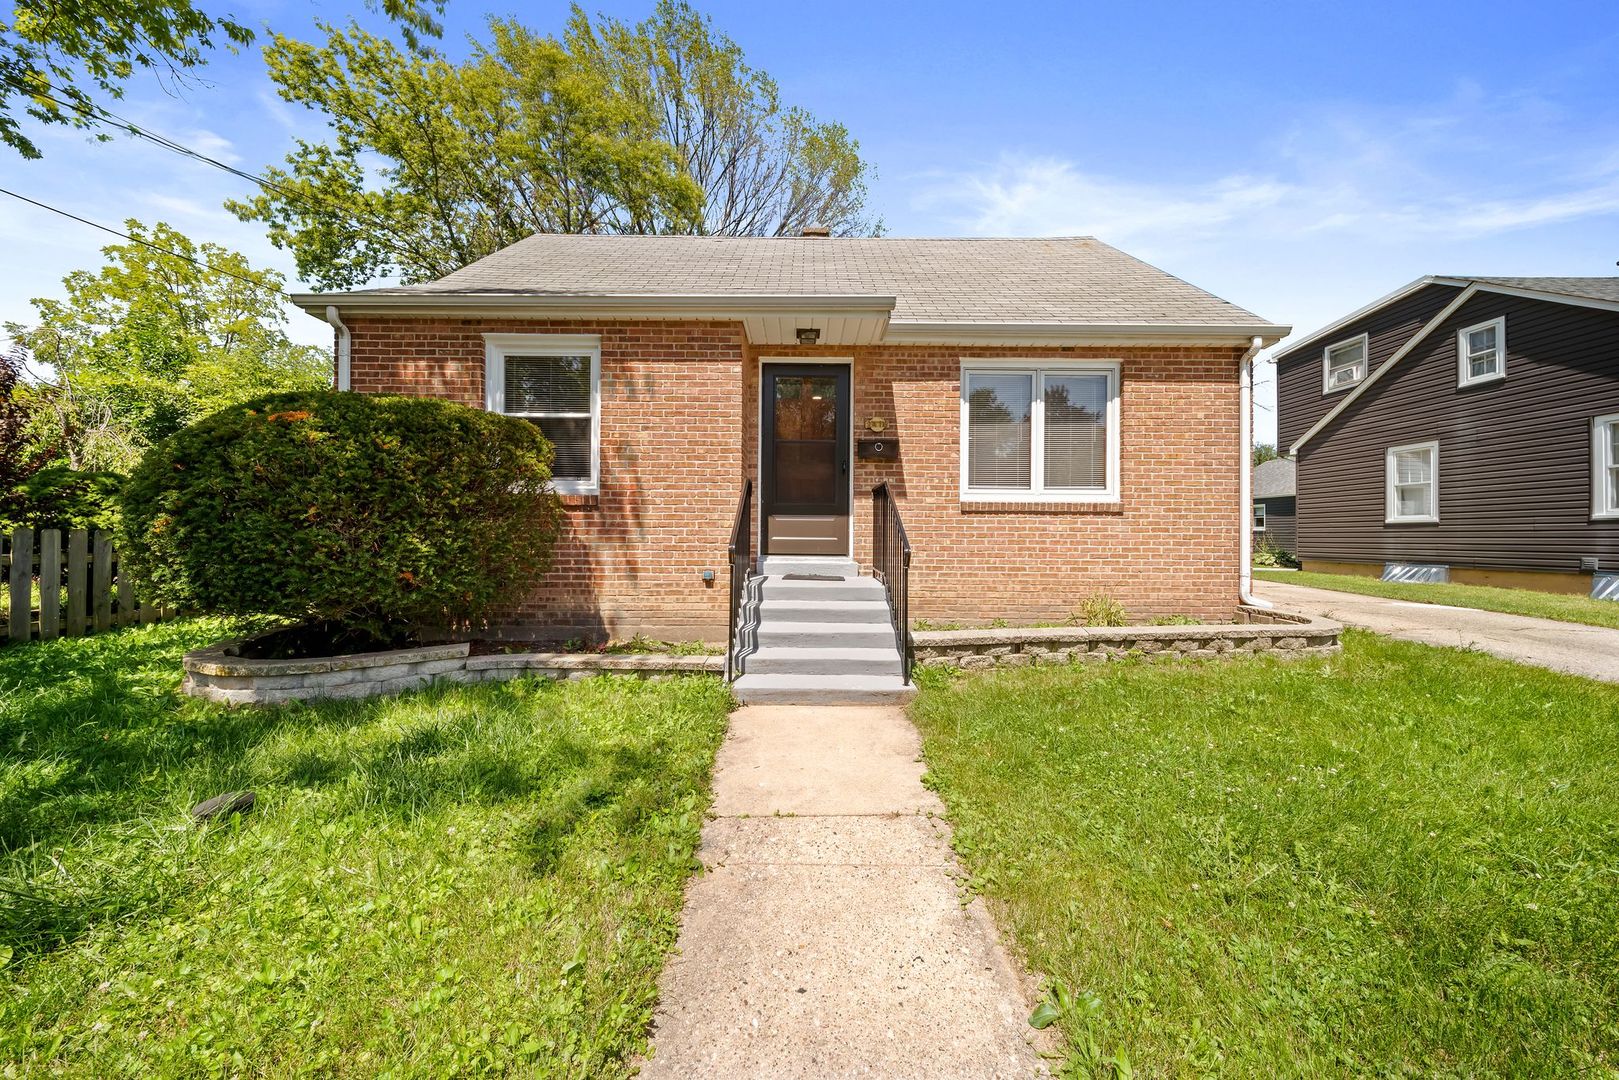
[(808, 335)]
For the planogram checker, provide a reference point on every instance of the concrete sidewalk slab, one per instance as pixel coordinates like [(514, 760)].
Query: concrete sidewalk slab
[(1592, 651), (805, 759), (827, 936)]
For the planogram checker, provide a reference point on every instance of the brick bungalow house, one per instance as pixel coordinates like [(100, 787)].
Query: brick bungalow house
[(1053, 416)]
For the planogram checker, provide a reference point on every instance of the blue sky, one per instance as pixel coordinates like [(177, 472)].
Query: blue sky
[(1299, 159)]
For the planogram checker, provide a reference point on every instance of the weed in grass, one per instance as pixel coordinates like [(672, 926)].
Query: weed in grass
[(466, 879), (1398, 861)]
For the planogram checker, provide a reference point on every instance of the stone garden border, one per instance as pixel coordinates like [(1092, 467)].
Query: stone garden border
[(1256, 630), (217, 673)]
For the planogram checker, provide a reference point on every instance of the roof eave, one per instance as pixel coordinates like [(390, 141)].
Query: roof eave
[(904, 332)]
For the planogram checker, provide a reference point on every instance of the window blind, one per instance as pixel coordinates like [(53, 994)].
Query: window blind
[(999, 429), (554, 393), (1075, 437)]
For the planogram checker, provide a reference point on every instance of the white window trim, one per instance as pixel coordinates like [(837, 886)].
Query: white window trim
[(499, 346), (1604, 489), (1037, 491), (1365, 363), (1259, 517), (1391, 503), (1464, 367)]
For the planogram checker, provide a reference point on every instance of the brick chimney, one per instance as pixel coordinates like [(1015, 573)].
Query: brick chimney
[(817, 229)]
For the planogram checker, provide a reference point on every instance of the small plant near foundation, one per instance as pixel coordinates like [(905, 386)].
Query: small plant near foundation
[(1176, 620), (1100, 609), (1273, 557), (924, 625), (640, 643)]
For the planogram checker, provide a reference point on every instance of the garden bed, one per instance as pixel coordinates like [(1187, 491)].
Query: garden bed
[(1254, 630), (222, 673)]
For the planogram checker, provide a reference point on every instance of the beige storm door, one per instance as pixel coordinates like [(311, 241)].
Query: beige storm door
[(804, 443)]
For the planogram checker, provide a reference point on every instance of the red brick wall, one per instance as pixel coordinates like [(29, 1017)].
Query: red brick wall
[(680, 429), (1168, 547), (631, 560)]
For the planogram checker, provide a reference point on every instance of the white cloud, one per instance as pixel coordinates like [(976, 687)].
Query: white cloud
[(1468, 168)]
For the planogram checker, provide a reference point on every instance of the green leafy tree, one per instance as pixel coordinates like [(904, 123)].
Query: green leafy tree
[(153, 341), (766, 169), (56, 58), (1264, 452), (21, 455), (656, 128)]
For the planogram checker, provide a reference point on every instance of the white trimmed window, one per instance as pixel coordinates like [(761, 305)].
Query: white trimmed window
[(1481, 353), (1049, 432), (1344, 364), (1259, 517), (1413, 483), (1605, 466), (553, 381)]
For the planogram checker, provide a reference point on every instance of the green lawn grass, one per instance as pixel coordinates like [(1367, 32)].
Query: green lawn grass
[(1401, 861), (455, 881), (1564, 607)]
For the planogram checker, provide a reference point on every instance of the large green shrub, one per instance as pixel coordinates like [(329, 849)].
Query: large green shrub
[(330, 506)]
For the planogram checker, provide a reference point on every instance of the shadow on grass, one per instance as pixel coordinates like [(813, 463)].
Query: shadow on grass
[(101, 758)]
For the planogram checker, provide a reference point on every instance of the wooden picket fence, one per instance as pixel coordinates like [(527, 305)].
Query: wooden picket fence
[(52, 591)]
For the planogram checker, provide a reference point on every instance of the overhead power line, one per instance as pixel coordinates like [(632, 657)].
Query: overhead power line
[(257, 284), (104, 116)]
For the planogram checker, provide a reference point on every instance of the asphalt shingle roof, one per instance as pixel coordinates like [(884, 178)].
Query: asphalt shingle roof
[(1057, 280), (1275, 478), (1590, 288)]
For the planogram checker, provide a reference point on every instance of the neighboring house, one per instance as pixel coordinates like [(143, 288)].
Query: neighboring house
[(1274, 513), (1462, 429), (1055, 417)]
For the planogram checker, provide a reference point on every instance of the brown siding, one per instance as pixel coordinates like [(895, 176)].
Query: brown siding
[(1514, 455), (1299, 400), (1280, 524)]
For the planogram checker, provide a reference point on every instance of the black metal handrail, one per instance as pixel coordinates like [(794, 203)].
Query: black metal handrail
[(741, 571), (891, 561)]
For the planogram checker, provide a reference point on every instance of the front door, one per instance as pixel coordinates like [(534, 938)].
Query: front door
[(805, 442)]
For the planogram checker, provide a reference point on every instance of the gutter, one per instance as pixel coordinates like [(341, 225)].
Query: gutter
[(336, 320), (1245, 482)]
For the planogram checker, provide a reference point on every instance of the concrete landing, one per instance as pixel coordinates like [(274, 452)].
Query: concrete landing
[(827, 936)]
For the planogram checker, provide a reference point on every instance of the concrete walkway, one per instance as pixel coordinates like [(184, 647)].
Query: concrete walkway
[(827, 936), (1592, 651)]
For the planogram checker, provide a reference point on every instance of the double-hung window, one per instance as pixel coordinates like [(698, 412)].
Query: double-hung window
[(1481, 353), (1344, 364), (1605, 467), (1043, 432), (1259, 517), (1413, 483), (553, 381)]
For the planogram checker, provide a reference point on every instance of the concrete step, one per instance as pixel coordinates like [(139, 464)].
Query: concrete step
[(756, 689), (795, 660), (860, 588), (825, 635), (871, 609), (778, 565)]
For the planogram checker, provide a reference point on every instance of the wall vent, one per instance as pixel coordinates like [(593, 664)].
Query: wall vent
[(1416, 573)]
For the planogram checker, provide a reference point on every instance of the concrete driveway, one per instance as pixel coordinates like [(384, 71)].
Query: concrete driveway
[(1592, 651)]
